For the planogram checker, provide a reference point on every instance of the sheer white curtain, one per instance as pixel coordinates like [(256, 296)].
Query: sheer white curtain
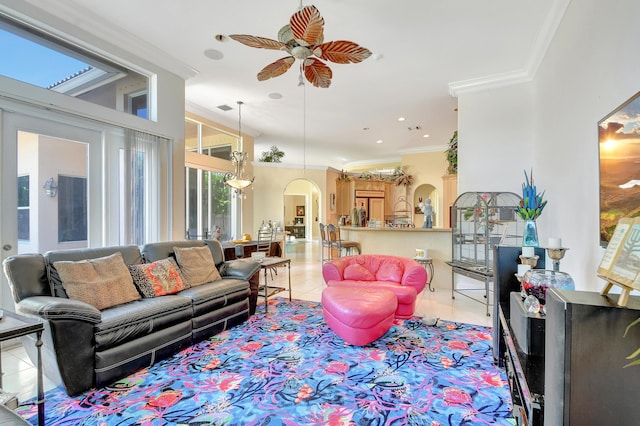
[(142, 184)]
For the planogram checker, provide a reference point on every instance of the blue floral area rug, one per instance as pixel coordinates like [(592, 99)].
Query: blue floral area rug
[(289, 368)]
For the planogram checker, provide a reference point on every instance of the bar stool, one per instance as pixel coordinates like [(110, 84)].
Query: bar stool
[(339, 245), (326, 244)]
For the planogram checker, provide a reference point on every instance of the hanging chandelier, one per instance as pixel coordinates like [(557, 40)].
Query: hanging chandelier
[(238, 180)]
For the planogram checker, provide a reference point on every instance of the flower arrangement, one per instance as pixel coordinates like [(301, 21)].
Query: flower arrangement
[(401, 177), (532, 204), (343, 177)]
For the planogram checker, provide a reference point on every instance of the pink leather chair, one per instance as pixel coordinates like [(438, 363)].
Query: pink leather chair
[(405, 277)]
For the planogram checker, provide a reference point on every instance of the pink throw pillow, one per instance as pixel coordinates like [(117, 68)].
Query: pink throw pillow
[(370, 262), (358, 273), (390, 270)]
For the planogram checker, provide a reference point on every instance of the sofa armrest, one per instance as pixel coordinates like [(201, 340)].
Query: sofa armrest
[(69, 341), (58, 308), (239, 269)]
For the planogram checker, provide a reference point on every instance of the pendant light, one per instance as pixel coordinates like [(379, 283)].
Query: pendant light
[(239, 180)]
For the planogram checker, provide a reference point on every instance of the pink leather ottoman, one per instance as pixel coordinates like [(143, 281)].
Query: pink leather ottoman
[(359, 315)]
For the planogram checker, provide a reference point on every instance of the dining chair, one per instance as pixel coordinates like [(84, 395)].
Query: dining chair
[(265, 238)]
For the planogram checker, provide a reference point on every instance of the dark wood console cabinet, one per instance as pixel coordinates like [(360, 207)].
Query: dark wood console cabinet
[(581, 378), (297, 231)]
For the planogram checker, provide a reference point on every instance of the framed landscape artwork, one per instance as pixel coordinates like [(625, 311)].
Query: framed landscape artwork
[(619, 144)]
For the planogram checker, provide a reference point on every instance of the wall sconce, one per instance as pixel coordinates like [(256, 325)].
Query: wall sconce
[(50, 188)]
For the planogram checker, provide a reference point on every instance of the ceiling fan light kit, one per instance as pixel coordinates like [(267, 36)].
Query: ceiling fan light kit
[(303, 39)]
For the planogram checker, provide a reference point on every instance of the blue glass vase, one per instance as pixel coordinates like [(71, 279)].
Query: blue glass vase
[(530, 235)]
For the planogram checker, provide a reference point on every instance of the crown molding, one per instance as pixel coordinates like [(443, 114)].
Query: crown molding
[(431, 148), (265, 164), (538, 52), (489, 82)]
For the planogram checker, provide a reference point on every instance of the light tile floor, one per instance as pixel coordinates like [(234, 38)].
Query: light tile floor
[(19, 375)]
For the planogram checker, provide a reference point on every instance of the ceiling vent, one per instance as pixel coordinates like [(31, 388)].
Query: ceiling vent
[(225, 107)]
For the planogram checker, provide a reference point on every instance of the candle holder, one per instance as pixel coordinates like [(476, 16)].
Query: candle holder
[(556, 254), (522, 292), (531, 261)]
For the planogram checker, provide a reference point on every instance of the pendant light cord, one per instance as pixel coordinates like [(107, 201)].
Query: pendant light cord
[(304, 128)]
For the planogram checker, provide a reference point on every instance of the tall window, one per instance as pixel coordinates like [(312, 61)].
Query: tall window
[(23, 208), (45, 61), (210, 212), (72, 209), (208, 205), (208, 140)]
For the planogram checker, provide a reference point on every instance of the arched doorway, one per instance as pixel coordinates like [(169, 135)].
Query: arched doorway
[(424, 192), (302, 209)]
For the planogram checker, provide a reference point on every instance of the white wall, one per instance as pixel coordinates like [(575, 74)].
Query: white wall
[(550, 124)]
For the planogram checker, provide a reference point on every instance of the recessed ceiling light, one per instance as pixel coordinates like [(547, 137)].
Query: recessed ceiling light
[(379, 141), (425, 136), (401, 119), (275, 95), (213, 54)]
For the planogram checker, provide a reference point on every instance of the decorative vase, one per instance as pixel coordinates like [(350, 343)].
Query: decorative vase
[(530, 235)]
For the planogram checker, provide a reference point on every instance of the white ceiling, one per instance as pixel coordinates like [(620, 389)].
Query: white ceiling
[(423, 50)]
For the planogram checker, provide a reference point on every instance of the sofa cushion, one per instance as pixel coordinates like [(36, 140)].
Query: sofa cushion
[(390, 270), (130, 254), (197, 265), (124, 323), (358, 273), (101, 282), (158, 278)]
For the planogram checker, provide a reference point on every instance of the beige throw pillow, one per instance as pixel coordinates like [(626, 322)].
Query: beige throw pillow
[(197, 265), (101, 282)]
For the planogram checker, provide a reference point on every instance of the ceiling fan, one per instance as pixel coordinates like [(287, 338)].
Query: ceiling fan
[(303, 38)]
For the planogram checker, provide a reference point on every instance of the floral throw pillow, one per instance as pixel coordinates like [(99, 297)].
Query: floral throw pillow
[(158, 278)]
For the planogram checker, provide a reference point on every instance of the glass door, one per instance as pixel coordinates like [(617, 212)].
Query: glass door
[(51, 184)]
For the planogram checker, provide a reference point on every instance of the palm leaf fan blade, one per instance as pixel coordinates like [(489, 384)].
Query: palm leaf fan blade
[(276, 68), (307, 26), (317, 73), (258, 42), (342, 52)]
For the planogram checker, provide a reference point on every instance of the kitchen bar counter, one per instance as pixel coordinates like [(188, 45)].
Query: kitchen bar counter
[(404, 242)]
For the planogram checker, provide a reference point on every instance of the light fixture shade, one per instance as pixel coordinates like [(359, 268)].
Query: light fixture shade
[(238, 180)]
